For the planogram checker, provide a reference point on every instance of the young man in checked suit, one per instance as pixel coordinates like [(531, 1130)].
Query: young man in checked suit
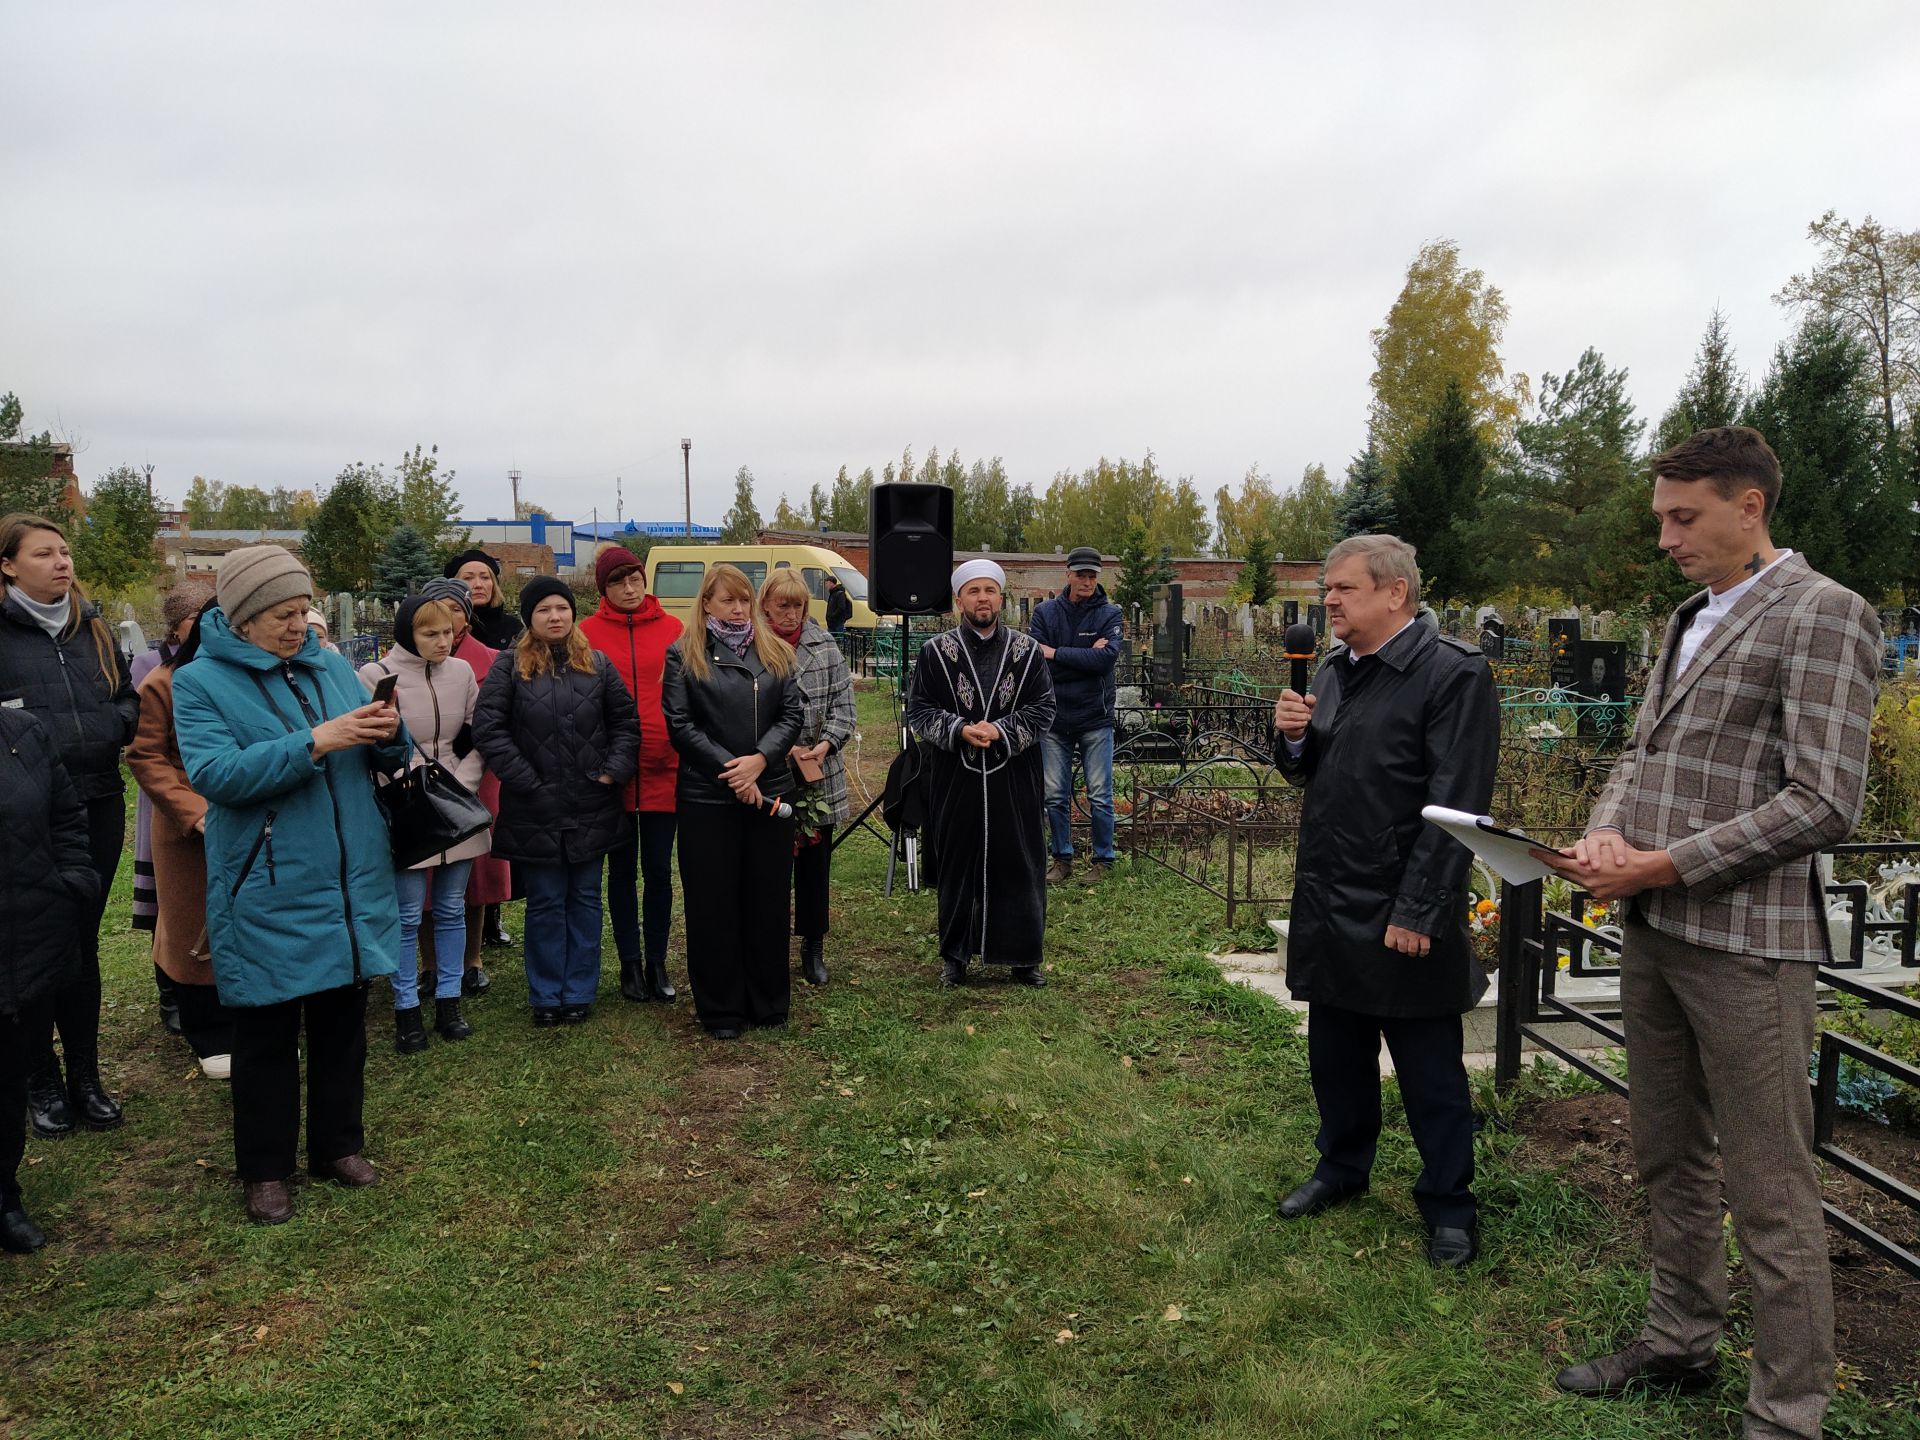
[(1749, 756)]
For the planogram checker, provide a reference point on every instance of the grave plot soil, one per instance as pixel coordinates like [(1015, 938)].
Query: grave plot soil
[(1876, 1305)]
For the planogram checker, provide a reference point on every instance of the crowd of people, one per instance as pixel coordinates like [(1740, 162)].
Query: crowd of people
[(263, 865), (599, 744)]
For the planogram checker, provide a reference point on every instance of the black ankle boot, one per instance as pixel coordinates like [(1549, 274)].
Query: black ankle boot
[(475, 981), (633, 984), (448, 1022), (92, 1106), (47, 1105), (813, 963), (18, 1234), (409, 1036), (659, 987)]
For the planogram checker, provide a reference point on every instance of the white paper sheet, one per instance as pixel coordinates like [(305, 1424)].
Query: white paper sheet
[(1505, 851)]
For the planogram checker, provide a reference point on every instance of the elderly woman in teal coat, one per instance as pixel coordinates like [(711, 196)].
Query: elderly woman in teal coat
[(279, 737)]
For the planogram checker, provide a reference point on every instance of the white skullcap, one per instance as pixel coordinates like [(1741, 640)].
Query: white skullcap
[(979, 570)]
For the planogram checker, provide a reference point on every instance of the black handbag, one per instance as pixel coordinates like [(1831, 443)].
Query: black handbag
[(429, 812)]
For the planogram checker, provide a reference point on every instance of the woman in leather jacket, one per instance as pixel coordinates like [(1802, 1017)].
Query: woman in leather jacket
[(733, 711)]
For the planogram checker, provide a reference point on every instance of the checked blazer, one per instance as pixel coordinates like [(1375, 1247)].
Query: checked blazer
[(1751, 761)]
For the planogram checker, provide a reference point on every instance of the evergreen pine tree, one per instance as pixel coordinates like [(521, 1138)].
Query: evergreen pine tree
[(1436, 495), (406, 563), (1134, 584), (1712, 393), (742, 523), (1841, 504), (1255, 583), (1366, 504)]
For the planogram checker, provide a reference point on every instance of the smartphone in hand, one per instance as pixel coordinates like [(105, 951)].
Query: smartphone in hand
[(383, 691)]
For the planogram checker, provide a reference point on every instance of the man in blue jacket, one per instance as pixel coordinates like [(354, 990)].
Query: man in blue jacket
[(1079, 633)]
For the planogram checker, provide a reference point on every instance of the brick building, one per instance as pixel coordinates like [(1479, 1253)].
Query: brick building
[(1034, 575)]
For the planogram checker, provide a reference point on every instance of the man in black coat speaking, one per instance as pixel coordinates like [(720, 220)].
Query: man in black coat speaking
[(1399, 717)]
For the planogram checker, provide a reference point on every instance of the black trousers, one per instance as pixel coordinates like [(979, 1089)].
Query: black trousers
[(1343, 1052), (812, 867), (76, 1005), (266, 1081), (205, 1023), (15, 1054), (645, 919), (736, 872)]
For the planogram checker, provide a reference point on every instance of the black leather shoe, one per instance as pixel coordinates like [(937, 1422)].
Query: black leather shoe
[(1637, 1365), (475, 982), (1029, 975), (170, 1018), (544, 1018), (497, 940), (659, 987), (18, 1234), (409, 1035), (633, 982), (725, 1032), (92, 1106), (952, 973), (48, 1106), (575, 1014), (813, 962), (1317, 1195), (448, 1022), (1452, 1248)]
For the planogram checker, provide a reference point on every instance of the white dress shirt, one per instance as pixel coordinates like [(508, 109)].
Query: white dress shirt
[(1712, 613)]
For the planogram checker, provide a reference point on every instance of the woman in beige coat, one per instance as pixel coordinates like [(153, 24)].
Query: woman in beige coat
[(435, 692), (180, 949)]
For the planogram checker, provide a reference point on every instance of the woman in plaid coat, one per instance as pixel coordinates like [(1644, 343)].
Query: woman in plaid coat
[(826, 688)]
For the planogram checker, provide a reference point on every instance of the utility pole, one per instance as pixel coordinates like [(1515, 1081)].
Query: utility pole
[(686, 466), (619, 504), (149, 484), (513, 478)]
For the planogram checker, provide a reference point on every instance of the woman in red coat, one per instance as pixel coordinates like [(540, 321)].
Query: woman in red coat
[(634, 633)]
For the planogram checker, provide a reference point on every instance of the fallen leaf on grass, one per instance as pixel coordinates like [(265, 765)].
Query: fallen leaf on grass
[(676, 1387), (976, 1194), (969, 1029), (1126, 1062), (663, 1289), (1172, 1312), (1186, 1179), (846, 1093), (260, 1333), (1065, 1337), (201, 1163)]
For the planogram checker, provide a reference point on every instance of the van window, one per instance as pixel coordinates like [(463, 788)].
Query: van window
[(783, 564), (754, 570), (855, 582), (816, 579), (678, 579)]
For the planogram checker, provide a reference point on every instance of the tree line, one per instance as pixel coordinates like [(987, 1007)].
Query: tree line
[(1504, 484)]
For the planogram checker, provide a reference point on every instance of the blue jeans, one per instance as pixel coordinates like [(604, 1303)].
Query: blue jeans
[(449, 930), (1095, 749), (563, 932)]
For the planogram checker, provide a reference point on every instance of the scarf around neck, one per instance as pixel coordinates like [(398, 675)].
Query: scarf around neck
[(735, 636), (792, 637), (52, 618)]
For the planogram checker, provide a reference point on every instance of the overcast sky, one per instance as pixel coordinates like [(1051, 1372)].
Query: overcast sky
[(259, 241)]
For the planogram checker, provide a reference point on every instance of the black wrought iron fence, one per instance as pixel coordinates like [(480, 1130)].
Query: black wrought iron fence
[(1532, 939), (1235, 845)]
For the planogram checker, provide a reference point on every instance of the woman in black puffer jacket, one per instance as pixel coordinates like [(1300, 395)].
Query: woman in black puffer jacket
[(557, 726), (47, 889), (733, 712), (60, 662)]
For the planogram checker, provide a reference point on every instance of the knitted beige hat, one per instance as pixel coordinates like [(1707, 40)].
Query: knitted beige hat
[(258, 578)]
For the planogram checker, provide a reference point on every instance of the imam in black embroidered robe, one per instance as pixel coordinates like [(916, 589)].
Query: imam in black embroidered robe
[(985, 806)]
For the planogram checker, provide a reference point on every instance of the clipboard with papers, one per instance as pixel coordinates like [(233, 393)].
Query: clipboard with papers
[(1507, 852)]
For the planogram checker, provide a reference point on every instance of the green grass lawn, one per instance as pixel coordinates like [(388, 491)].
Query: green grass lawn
[(990, 1212)]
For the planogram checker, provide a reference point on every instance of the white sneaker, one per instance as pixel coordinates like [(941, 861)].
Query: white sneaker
[(217, 1067)]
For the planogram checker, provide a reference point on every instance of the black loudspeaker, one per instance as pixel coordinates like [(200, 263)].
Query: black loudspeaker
[(910, 549)]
